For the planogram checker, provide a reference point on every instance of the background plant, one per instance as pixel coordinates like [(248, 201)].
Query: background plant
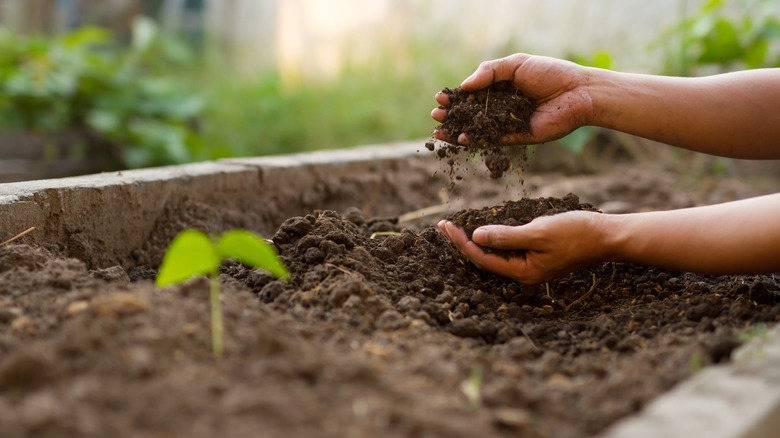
[(712, 39), (716, 38), (85, 81)]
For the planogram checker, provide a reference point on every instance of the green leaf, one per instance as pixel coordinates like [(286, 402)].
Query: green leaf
[(602, 59), (575, 142), (251, 250), (755, 54), (190, 253), (721, 45), (86, 36), (144, 31)]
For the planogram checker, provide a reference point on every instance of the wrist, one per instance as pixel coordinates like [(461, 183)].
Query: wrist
[(603, 89), (615, 237)]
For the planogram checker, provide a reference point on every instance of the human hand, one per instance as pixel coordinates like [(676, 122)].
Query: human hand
[(558, 87), (554, 245)]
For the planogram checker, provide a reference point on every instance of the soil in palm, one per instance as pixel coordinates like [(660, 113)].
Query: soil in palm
[(486, 116), (514, 213)]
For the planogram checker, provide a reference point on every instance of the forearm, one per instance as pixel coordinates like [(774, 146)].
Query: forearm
[(741, 237), (733, 114)]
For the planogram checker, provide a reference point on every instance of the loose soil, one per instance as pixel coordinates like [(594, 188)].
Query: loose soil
[(384, 330), (486, 116)]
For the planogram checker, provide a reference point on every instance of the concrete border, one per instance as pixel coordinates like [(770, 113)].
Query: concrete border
[(103, 218), (738, 400)]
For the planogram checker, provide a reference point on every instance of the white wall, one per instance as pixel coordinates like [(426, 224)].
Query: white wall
[(315, 37)]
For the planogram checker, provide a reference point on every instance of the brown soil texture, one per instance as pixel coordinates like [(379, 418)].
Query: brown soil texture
[(486, 116), (383, 330)]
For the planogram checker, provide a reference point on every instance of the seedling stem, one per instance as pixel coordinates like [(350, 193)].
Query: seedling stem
[(193, 253), (217, 326)]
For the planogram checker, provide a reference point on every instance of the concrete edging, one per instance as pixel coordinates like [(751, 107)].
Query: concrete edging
[(740, 399), (114, 212)]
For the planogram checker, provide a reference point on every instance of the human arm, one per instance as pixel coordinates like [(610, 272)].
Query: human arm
[(731, 114), (740, 237)]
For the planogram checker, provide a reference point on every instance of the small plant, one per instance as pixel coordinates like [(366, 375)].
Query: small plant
[(193, 253), (472, 387)]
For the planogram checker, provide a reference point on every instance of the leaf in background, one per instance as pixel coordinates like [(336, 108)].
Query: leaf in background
[(144, 32), (103, 121), (190, 253), (251, 250), (602, 59), (86, 36), (755, 54), (576, 141), (721, 44)]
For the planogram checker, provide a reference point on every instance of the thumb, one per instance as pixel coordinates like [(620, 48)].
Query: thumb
[(482, 78), (503, 237)]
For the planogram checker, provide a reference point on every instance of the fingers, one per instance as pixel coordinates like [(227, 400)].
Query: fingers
[(503, 237), (512, 268), (459, 238), (442, 98), (488, 72), (439, 114)]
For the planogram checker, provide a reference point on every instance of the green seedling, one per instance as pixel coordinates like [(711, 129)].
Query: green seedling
[(193, 253), (472, 387)]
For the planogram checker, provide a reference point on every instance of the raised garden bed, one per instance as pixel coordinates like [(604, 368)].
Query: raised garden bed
[(383, 331)]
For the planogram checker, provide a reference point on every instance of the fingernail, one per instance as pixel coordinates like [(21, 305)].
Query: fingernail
[(479, 234), (468, 78)]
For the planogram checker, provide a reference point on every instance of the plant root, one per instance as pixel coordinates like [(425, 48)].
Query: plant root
[(584, 296)]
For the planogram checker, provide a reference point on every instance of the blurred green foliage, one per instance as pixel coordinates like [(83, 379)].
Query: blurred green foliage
[(159, 102), (712, 38), (366, 104), (83, 80), (720, 39)]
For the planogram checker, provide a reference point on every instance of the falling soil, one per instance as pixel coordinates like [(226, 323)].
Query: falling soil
[(383, 330), (486, 116)]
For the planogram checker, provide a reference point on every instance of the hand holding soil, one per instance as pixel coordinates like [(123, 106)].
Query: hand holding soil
[(555, 92), (691, 113), (531, 240)]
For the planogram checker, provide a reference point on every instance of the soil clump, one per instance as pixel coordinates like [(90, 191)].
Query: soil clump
[(486, 116)]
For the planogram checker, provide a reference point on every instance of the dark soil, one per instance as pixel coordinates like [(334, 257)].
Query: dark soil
[(514, 213), (486, 116), (382, 331)]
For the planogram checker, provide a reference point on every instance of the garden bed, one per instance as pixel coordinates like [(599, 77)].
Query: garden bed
[(384, 330)]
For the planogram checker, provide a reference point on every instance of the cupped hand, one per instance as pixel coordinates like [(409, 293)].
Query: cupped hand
[(554, 245), (560, 89)]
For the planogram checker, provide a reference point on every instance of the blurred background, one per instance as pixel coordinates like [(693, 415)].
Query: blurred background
[(96, 85)]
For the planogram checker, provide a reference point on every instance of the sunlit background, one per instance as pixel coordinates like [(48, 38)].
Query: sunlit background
[(94, 85)]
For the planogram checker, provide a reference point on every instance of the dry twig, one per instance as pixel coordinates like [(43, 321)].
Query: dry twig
[(18, 236), (584, 296)]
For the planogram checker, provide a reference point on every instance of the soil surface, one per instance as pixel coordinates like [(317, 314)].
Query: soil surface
[(486, 116), (383, 330)]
